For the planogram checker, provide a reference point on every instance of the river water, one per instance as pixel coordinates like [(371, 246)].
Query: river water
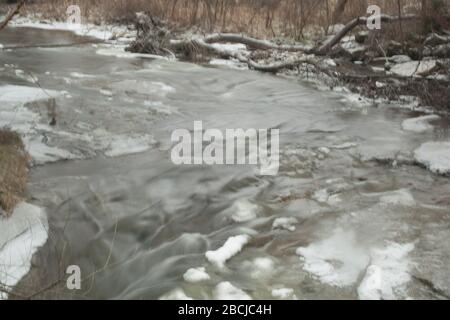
[(361, 219)]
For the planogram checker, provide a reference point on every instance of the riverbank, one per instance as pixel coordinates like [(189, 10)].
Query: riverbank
[(23, 227), (13, 171), (348, 170), (373, 68)]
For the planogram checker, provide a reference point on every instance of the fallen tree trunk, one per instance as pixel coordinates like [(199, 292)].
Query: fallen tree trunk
[(11, 14), (328, 45), (254, 43), (157, 42), (180, 45)]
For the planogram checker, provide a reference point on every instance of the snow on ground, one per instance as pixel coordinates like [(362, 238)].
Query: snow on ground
[(231, 248), (337, 261), (20, 237), (244, 210), (15, 115), (435, 156), (195, 275), (414, 68), (287, 223), (389, 273), (42, 153), (420, 124), (103, 32), (226, 291), (233, 47), (176, 294)]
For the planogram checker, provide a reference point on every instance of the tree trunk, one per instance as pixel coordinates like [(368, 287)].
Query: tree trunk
[(339, 11)]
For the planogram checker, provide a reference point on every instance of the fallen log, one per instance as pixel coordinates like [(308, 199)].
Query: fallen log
[(328, 45), (178, 45), (255, 43)]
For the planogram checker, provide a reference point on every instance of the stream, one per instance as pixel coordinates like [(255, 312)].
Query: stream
[(349, 215)]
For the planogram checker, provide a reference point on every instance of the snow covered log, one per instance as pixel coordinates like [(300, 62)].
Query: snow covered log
[(328, 45), (254, 43)]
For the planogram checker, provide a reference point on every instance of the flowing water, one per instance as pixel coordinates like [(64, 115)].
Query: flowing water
[(136, 223)]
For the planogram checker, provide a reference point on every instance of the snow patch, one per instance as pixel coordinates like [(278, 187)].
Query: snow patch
[(232, 47), (244, 210), (414, 68), (231, 248), (15, 115), (226, 291), (259, 267), (104, 32), (285, 223), (336, 261), (42, 153), (176, 294), (323, 196), (400, 198), (283, 293), (389, 273), (20, 237), (195, 275), (420, 124), (435, 156)]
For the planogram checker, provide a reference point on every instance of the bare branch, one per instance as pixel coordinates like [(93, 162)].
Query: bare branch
[(11, 15)]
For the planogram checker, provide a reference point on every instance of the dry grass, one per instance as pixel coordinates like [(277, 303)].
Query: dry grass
[(13, 170), (262, 18)]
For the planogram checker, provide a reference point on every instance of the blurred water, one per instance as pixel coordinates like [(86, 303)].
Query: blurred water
[(135, 224)]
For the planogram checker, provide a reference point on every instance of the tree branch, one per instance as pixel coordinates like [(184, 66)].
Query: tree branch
[(328, 45), (11, 14)]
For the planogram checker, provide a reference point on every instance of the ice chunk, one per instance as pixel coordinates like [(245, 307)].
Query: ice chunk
[(195, 275), (285, 223), (231, 247), (336, 261), (283, 293), (226, 291), (414, 68), (176, 294), (400, 197), (244, 211), (389, 273), (435, 156), (20, 237), (420, 124)]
